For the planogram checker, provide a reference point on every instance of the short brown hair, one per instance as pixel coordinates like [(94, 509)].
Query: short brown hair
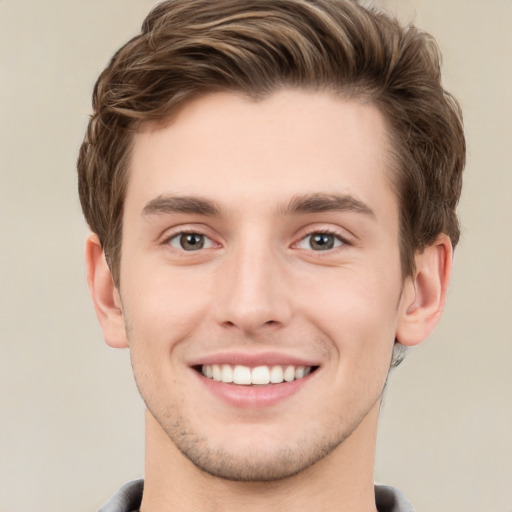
[(192, 47)]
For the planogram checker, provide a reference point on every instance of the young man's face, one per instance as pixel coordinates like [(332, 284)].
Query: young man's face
[(261, 238)]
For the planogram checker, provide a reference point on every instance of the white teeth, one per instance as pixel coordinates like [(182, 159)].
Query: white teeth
[(259, 375), (276, 375), (227, 373), (289, 373), (217, 372), (242, 375)]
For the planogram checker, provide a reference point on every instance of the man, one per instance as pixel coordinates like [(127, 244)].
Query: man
[(271, 187)]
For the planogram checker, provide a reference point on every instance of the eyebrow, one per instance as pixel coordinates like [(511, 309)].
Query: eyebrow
[(181, 204), (309, 203), (317, 203)]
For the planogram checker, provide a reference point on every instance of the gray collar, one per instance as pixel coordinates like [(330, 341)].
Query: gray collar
[(129, 496)]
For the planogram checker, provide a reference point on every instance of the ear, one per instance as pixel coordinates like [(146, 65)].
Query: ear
[(424, 294), (105, 296)]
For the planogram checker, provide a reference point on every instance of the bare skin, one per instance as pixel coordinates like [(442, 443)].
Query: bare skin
[(264, 234)]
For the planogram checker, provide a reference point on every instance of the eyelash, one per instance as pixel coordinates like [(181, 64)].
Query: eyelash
[(328, 232), (339, 240), (179, 234)]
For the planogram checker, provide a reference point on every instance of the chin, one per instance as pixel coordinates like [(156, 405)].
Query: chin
[(255, 467), (253, 458)]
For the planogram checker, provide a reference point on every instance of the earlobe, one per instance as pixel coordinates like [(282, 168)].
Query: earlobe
[(105, 296), (425, 293)]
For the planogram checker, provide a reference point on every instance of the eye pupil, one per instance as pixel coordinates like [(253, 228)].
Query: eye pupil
[(321, 242), (191, 241)]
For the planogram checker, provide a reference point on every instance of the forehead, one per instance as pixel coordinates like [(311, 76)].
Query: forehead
[(237, 150)]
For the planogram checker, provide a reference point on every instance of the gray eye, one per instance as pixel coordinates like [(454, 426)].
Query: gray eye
[(320, 242), (190, 241)]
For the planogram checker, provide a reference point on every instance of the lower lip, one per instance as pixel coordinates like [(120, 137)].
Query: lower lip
[(254, 396)]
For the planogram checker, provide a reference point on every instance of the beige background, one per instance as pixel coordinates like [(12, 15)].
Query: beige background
[(71, 421)]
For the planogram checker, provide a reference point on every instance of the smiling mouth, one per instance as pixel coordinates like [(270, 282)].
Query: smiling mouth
[(255, 376)]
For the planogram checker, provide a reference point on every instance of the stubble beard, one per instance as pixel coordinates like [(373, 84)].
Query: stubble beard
[(246, 465), (251, 464)]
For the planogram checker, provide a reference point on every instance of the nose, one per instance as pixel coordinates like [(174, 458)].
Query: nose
[(253, 294)]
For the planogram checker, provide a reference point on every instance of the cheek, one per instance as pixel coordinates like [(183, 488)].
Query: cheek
[(166, 291), (162, 308), (355, 309), (161, 315)]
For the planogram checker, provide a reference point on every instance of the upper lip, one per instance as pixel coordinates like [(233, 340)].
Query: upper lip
[(253, 359)]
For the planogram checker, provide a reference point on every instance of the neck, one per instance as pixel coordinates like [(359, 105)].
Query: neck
[(343, 480)]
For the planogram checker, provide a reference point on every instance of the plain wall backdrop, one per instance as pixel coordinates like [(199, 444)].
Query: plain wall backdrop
[(71, 425)]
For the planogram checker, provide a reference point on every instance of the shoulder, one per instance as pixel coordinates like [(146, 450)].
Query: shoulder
[(126, 499), (389, 499)]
